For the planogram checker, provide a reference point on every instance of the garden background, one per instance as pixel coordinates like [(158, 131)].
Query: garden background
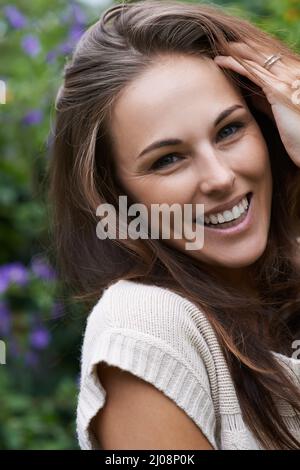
[(41, 327)]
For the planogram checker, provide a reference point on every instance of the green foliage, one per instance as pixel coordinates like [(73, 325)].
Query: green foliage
[(42, 330), (39, 324), (280, 18), (38, 422)]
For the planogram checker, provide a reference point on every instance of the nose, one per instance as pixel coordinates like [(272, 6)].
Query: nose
[(214, 173)]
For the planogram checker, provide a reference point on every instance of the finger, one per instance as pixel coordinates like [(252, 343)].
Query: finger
[(289, 60), (245, 51), (232, 63), (252, 51), (264, 79)]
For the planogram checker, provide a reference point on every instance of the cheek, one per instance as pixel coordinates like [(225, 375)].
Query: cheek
[(251, 157), (173, 188)]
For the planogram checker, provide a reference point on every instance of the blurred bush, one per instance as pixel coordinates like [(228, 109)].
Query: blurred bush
[(41, 327)]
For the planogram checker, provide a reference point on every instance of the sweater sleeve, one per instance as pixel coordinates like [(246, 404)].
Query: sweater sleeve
[(147, 331)]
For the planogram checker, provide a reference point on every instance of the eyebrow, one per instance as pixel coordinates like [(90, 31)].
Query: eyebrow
[(169, 142)]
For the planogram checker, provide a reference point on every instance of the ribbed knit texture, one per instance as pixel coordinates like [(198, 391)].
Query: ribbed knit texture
[(166, 340)]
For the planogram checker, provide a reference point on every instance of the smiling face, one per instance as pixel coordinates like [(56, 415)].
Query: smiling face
[(219, 156)]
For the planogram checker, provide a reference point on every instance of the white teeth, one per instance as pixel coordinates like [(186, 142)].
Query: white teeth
[(228, 215), (245, 203), (214, 219), (242, 208), (236, 211), (221, 218)]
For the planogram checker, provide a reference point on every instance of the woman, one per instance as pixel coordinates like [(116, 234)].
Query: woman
[(183, 349)]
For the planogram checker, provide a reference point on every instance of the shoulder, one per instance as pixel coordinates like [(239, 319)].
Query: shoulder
[(153, 328), (149, 316), (151, 310), (157, 336)]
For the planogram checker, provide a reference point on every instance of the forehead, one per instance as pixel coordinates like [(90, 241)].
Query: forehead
[(166, 98)]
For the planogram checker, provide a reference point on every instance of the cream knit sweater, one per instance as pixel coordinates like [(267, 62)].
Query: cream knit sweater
[(166, 340)]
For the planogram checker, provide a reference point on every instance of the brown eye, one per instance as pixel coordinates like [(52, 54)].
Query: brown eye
[(230, 130), (158, 163)]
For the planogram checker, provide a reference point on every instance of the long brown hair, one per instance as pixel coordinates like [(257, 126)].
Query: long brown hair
[(112, 53)]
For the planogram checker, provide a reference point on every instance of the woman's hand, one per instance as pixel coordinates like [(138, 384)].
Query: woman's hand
[(283, 77)]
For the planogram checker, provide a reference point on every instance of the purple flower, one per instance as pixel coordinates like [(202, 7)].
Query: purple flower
[(5, 318), (12, 272), (78, 14), (75, 33), (40, 337), (65, 48), (42, 269), (16, 19), (33, 117), (18, 273), (31, 45)]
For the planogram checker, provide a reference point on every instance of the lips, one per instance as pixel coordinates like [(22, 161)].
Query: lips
[(235, 201), (228, 206)]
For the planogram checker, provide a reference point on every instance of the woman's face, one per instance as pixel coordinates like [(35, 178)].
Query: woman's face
[(181, 97)]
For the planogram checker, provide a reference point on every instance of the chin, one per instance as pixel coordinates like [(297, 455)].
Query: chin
[(243, 258)]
